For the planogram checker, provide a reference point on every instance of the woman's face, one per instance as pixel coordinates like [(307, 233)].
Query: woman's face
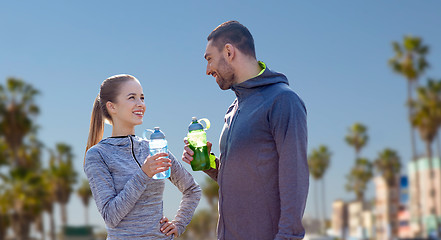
[(129, 108)]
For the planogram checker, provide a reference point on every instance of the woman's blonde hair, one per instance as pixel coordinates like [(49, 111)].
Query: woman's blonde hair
[(109, 90)]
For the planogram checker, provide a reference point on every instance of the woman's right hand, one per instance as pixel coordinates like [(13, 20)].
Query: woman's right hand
[(156, 164)]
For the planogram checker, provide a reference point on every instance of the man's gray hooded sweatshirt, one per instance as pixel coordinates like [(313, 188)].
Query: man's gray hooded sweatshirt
[(129, 201), (263, 173)]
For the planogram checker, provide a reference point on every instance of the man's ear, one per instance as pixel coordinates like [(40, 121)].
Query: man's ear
[(229, 52), (110, 107)]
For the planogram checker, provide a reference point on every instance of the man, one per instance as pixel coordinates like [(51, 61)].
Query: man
[(262, 170)]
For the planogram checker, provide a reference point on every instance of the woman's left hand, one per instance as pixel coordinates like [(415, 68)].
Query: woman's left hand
[(168, 228)]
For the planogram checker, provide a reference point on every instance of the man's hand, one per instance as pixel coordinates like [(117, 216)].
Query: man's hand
[(187, 155)]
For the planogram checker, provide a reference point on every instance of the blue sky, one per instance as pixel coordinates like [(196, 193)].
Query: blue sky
[(334, 54)]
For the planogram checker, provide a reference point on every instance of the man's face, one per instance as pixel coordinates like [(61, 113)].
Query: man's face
[(218, 67)]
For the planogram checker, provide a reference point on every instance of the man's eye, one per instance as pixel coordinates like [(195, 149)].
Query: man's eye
[(142, 98), (132, 97)]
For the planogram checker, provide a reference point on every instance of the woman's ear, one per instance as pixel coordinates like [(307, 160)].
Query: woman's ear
[(111, 109), (229, 52)]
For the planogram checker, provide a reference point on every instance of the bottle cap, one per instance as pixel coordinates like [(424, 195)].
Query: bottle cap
[(157, 134), (195, 125)]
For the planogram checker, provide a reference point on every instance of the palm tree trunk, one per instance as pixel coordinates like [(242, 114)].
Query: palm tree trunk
[(415, 160), (3, 227), (316, 200), (324, 206), (416, 199), (392, 216), (63, 214), (21, 226), (52, 225), (438, 146), (412, 130), (86, 214), (40, 226), (360, 196)]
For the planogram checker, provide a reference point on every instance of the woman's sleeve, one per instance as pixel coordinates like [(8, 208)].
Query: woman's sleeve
[(112, 206), (191, 192)]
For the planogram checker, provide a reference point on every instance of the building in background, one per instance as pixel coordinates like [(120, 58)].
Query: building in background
[(339, 219), (404, 230), (355, 219), (368, 228), (395, 212), (311, 225), (426, 191), (387, 199)]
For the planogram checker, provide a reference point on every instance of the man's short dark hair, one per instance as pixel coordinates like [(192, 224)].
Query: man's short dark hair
[(234, 33)]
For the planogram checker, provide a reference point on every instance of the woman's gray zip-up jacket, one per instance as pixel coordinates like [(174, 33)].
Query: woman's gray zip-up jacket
[(129, 201)]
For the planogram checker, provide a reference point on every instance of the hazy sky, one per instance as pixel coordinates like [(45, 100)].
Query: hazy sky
[(334, 54)]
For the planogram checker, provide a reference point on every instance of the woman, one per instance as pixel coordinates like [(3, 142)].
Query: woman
[(120, 170)]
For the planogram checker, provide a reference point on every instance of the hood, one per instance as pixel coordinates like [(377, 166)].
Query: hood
[(268, 77)]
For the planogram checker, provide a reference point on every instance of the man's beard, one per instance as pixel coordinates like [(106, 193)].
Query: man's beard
[(225, 75)]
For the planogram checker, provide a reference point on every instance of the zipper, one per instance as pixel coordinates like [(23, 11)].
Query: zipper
[(133, 153), (233, 120)]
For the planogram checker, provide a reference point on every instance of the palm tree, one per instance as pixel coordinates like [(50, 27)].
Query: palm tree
[(49, 199), (20, 189), (359, 177), (357, 137), (211, 191), (388, 165), (427, 118), (17, 107), (4, 153), (4, 206), (61, 166), (200, 226), (85, 194), (318, 162), (22, 192), (4, 217), (410, 62), (427, 112)]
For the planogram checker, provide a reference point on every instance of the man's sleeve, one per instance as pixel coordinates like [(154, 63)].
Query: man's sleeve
[(212, 172), (288, 125)]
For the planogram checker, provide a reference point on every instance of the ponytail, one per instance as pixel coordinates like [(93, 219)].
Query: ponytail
[(96, 129)]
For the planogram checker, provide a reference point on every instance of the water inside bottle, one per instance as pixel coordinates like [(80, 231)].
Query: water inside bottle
[(197, 138), (157, 147)]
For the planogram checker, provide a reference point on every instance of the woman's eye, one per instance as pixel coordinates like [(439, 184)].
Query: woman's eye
[(132, 97), (142, 98)]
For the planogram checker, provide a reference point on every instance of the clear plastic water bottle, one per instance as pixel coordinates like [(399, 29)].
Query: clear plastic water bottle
[(158, 144), (197, 139)]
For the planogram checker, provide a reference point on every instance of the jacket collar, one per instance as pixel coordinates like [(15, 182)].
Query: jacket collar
[(265, 78)]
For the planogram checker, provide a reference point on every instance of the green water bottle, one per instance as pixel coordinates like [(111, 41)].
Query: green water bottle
[(197, 139)]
